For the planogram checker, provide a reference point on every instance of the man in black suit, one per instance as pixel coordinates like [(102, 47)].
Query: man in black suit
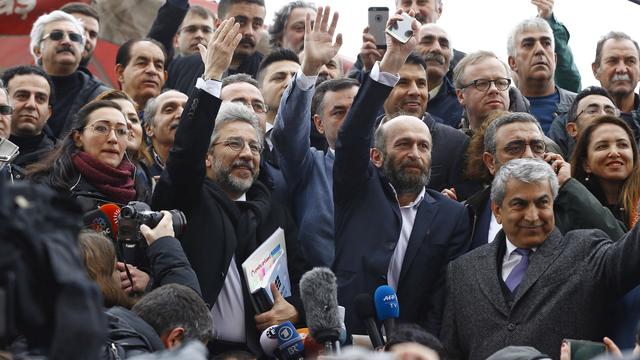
[(211, 175), (532, 285), (389, 228)]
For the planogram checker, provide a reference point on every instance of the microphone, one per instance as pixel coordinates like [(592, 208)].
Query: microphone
[(103, 220), (269, 341), (387, 307), (365, 309), (290, 344), (319, 294)]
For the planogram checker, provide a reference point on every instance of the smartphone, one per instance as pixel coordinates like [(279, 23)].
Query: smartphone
[(401, 30), (378, 17), (584, 349)]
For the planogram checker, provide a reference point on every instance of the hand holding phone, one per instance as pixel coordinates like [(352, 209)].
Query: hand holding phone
[(584, 349), (401, 30), (378, 17)]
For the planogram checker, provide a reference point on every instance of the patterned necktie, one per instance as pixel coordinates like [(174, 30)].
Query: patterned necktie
[(517, 274)]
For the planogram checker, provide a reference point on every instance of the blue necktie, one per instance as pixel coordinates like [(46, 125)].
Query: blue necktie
[(517, 274)]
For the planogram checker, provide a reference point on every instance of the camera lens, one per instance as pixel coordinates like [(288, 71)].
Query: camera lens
[(408, 33), (378, 18)]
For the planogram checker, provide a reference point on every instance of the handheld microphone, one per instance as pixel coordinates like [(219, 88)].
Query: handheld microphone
[(290, 342), (103, 220), (365, 309), (319, 294), (387, 307), (269, 341)]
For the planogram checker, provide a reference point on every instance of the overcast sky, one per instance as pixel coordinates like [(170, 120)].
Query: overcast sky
[(484, 25)]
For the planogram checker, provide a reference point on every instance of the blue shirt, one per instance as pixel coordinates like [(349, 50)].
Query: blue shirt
[(544, 108)]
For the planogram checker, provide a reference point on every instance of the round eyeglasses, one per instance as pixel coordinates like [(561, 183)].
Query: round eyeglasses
[(501, 84)]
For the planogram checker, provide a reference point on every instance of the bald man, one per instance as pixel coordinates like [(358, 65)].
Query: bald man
[(389, 228)]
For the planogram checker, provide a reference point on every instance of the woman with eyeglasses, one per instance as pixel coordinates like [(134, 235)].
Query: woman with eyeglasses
[(605, 160), (90, 163), (137, 152)]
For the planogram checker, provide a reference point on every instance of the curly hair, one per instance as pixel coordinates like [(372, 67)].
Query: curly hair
[(280, 18)]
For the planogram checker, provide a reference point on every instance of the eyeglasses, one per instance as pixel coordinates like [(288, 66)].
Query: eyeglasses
[(237, 144), (57, 35), (104, 130), (258, 106), (6, 110), (517, 147), (598, 110), (501, 84), (193, 28)]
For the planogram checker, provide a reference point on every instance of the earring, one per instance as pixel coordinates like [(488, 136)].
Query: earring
[(586, 178)]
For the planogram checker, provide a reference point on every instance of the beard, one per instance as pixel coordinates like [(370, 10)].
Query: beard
[(228, 181), (402, 182)]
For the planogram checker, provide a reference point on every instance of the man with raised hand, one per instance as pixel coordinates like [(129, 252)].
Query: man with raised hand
[(307, 171)]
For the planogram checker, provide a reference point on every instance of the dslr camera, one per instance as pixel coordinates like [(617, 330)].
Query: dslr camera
[(131, 244)]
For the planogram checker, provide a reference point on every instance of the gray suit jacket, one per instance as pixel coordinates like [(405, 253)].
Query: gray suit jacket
[(570, 283)]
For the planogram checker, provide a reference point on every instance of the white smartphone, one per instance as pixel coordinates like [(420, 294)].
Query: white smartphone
[(378, 17), (401, 30)]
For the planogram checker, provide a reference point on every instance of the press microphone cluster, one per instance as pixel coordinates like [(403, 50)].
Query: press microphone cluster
[(103, 220), (282, 342)]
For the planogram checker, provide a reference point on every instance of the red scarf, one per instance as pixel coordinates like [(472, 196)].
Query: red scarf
[(115, 183)]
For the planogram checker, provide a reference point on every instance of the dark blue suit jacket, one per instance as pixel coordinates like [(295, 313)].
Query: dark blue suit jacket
[(368, 224)]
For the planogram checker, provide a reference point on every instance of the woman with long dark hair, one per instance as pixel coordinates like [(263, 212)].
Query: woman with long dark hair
[(90, 162), (605, 160)]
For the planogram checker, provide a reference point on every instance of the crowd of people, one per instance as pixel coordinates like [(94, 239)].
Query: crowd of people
[(499, 201)]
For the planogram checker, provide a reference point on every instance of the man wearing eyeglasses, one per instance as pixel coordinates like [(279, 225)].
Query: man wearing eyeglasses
[(196, 28), (243, 89), (250, 14), (519, 135), (57, 42), (161, 118), (211, 175)]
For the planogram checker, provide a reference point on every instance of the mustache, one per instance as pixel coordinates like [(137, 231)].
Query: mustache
[(63, 48), (434, 56), (421, 18), (623, 77), (247, 40), (243, 163)]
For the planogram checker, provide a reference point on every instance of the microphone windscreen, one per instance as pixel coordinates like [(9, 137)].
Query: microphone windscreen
[(319, 293), (269, 341), (386, 303)]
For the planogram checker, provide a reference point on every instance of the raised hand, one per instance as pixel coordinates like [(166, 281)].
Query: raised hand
[(545, 8), (398, 52), (217, 55), (369, 52), (319, 47)]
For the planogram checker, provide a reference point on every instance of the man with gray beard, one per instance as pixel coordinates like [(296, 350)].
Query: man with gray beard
[(389, 228), (211, 175)]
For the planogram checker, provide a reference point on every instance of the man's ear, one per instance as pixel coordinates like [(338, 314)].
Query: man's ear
[(37, 52), (460, 95), (149, 130), (120, 74), (175, 41), (318, 123), (594, 68), (572, 129), (490, 162), (217, 22), (377, 158), (173, 338), (496, 212), (208, 162), (512, 64)]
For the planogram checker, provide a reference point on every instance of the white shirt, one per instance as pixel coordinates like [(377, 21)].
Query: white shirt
[(228, 311), (511, 259), (494, 228), (408, 213)]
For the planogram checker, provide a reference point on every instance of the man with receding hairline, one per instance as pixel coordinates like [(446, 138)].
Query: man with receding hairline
[(389, 228)]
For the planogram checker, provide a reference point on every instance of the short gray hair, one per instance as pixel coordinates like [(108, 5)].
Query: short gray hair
[(230, 112), (524, 170), (471, 59), (37, 30), (535, 23), (239, 78), (151, 108), (508, 118)]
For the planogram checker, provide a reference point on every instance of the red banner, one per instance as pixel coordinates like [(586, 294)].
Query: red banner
[(17, 16)]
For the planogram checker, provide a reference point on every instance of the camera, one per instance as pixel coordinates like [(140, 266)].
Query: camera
[(131, 243)]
